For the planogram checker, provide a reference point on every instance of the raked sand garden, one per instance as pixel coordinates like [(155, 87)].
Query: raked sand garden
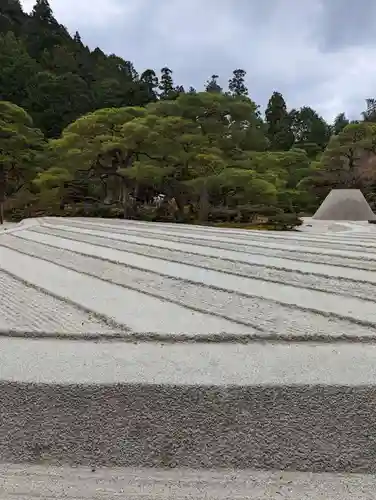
[(128, 344)]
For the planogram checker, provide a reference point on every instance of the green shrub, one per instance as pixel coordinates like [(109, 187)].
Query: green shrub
[(284, 222), (223, 214)]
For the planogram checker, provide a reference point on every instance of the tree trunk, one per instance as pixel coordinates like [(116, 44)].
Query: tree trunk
[(136, 190), (2, 192), (125, 199), (179, 199), (203, 212)]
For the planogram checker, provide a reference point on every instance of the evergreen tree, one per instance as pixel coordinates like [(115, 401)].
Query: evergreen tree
[(42, 31), (77, 38), (212, 85), (179, 89), (236, 84), (11, 16), (166, 84), (149, 83), (10, 7), (43, 12), (340, 122), (369, 115), (310, 130), (56, 78), (16, 69), (278, 123)]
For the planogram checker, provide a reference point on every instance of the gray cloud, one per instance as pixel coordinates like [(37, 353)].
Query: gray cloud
[(316, 53), (346, 23)]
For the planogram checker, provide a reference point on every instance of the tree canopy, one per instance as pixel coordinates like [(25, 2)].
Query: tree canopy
[(81, 130)]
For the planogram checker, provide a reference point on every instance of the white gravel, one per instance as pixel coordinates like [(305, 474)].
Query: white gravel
[(250, 365), (81, 483), (349, 233), (179, 280), (360, 260), (302, 298), (256, 312), (139, 312), (115, 277), (353, 281), (25, 309), (178, 252)]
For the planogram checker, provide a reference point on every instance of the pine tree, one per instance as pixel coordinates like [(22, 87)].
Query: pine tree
[(278, 123), (236, 84), (11, 16), (310, 130), (212, 85), (77, 38), (370, 114), (166, 84), (149, 83), (179, 89), (10, 7), (43, 12), (340, 122)]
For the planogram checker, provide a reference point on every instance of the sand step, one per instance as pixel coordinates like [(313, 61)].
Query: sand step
[(84, 483), (303, 406)]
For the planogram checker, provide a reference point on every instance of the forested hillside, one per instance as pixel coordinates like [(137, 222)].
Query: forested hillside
[(84, 133)]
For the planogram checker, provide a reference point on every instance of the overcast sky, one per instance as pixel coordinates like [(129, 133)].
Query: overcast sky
[(320, 53)]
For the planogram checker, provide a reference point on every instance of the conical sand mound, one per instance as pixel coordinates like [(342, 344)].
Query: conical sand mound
[(345, 205)]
